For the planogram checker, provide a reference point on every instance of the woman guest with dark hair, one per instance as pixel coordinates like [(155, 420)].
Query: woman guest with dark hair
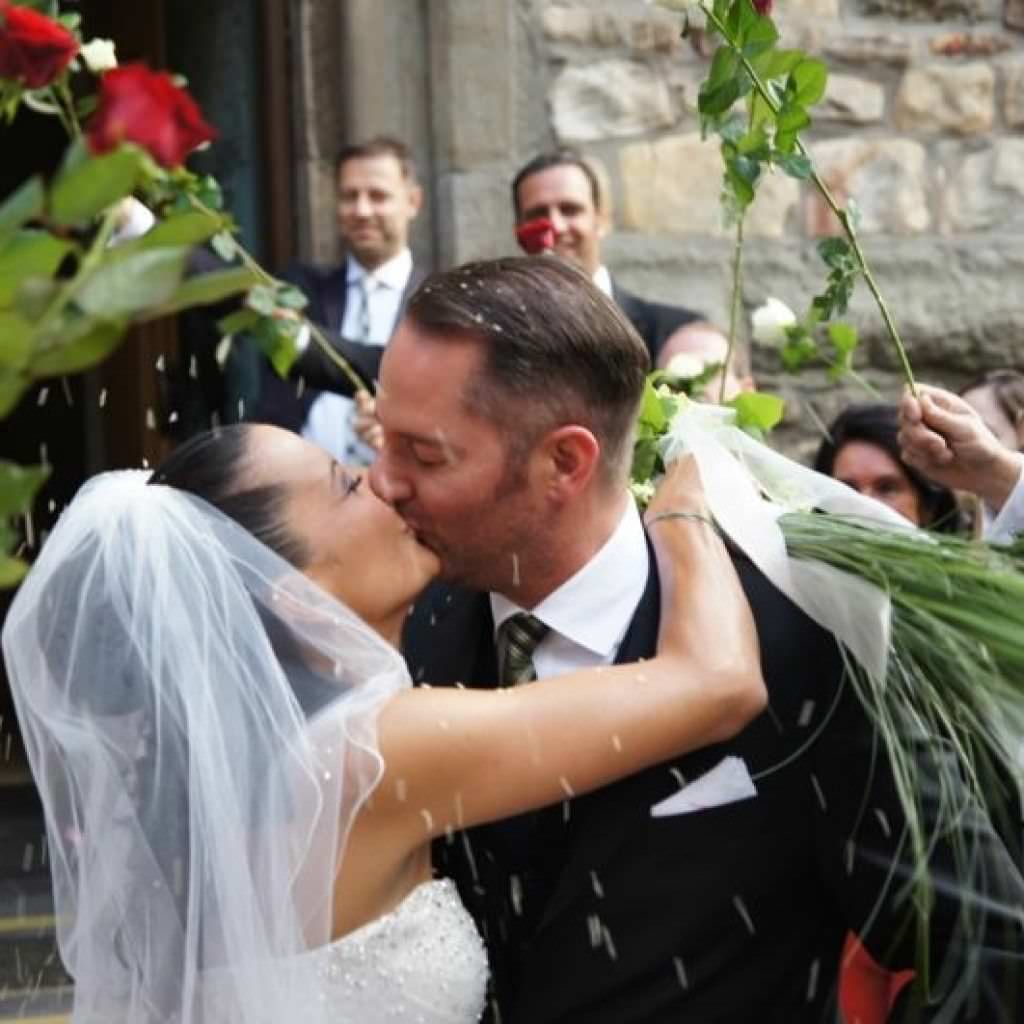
[(862, 450)]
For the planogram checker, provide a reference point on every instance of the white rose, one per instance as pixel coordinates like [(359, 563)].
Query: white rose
[(685, 365), (771, 320), (99, 55)]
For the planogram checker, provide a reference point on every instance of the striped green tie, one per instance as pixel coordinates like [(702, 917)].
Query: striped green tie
[(517, 640)]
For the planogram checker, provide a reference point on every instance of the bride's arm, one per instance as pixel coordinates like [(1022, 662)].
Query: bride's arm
[(455, 758)]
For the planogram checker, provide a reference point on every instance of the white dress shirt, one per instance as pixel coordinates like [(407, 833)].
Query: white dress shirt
[(588, 615), (603, 280), (1005, 527), (330, 422)]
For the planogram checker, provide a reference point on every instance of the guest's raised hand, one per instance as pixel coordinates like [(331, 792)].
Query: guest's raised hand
[(366, 423), (945, 438)]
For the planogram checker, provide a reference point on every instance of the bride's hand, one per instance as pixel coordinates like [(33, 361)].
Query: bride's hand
[(705, 617)]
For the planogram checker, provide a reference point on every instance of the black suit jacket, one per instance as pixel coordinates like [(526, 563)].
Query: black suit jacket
[(287, 402), (654, 321), (597, 912)]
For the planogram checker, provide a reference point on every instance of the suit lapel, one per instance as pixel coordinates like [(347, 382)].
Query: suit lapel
[(333, 296)]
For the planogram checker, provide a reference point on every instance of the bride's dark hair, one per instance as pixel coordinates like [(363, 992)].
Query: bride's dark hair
[(216, 466)]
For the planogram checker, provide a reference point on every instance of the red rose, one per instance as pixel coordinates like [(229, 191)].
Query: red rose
[(147, 108), (763, 6), (33, 49), (536, 235)]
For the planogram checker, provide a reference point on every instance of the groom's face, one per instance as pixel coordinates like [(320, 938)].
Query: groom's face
[(448, 471)]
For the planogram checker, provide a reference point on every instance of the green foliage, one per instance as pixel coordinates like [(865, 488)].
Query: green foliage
[(85, 188), (18, 487)]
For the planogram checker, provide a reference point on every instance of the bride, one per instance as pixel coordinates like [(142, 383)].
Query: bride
[(241, 785)]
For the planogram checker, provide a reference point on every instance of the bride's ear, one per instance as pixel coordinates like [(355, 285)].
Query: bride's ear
[(570, 456)]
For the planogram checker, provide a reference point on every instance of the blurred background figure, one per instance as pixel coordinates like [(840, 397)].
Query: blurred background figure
[(998, 398), (702, 344), (863, 451)]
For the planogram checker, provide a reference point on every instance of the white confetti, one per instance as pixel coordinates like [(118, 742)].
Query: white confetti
[(741, 909), (103, 398), (44, 393)]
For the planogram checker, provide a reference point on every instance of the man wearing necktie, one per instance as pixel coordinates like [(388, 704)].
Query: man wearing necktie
[(359, 301)]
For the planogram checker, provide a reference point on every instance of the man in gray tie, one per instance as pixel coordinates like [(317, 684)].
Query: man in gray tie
[(358, 301)]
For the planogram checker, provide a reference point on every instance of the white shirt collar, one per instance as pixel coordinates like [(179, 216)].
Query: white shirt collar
[(395, 273), (594, 607), (603, 280)]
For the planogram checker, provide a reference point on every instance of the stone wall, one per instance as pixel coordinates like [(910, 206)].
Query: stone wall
[(923, 124)]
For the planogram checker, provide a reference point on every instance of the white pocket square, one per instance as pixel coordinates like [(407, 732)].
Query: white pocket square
[(726, 783)]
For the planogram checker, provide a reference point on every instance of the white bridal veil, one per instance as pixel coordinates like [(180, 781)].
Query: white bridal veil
[(200, 721)]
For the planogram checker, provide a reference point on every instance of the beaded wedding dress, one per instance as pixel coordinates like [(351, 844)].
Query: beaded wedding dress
[(422, 963)]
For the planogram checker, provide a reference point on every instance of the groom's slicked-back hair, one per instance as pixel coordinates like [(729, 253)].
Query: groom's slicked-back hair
[(556, 350)]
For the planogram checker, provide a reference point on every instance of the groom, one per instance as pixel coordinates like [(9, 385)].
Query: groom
[(507, 398)]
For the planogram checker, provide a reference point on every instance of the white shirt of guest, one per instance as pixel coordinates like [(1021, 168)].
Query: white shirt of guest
[(588, 615), (330, 422), (603, 280)]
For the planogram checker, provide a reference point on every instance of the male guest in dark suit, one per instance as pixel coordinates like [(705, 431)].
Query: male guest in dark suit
[(507, 399), (359, 302), (562, 187)]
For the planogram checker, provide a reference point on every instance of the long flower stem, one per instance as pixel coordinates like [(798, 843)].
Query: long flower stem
[(826, 193), (734, 312), (317, 335)]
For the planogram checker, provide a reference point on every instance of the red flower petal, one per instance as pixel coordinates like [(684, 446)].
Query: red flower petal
[(34, 49), (146, 107), (537, 235)]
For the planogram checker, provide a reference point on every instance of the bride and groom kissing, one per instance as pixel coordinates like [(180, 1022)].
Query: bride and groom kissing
[(507, 398)]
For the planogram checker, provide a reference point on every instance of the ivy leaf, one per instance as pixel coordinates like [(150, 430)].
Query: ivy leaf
[(757, 410)]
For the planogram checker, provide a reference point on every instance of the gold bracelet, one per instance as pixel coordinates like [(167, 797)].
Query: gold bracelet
[(699, 517)]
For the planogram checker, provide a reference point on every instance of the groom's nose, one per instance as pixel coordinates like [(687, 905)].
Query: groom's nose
[(388, 484)]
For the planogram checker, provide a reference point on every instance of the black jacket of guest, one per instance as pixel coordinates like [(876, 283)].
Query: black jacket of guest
[(286, 403), (597, 912), (655, 322)]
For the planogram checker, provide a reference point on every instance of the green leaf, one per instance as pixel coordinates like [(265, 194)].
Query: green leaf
[(82, 193), (18, 486), (179, 229), (799, 350), (34, 295), (651, 412), (12, 387), (262, 299), (15, 340), (645, 458), (24, 204), (291, 297), (760, 37), (204, 289), (843, 337), (792, 119), (225, 246), (836, 252), (29, 254), (777, 63), (808, 80), (720, 99), (276, 339), (757, 409), (12, 570), (241, 320), (128, 285), (89, 343), (793, 164)]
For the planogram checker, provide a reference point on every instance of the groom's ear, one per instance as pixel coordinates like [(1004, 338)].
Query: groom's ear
[(570, 456)]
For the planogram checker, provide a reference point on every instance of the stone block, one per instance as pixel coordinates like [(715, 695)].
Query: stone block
[(970, 44), (886, 177), (929, 10), (959, 99), (882, 48), (851, 100), (608, 99), (568, 24), (1013, 14), (810, 8), (672, 186), (1014, 78)]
